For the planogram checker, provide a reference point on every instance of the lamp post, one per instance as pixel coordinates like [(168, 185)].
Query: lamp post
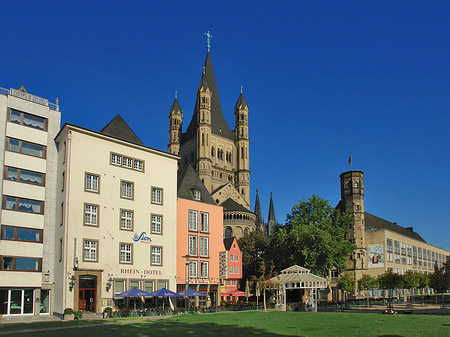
[(186, 280)]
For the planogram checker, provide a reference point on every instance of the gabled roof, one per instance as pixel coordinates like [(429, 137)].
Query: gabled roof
[(188, 181), (231, 205), (373, 222), (117, 128), (228, 242), (218, 124), (241, 102)]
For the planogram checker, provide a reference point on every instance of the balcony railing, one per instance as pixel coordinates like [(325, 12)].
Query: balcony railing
[(29, 97)]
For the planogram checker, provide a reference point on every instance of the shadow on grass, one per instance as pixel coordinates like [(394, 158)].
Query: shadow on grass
[(166, 328)]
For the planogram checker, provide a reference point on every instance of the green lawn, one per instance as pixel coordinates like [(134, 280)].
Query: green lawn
[(267, 324)]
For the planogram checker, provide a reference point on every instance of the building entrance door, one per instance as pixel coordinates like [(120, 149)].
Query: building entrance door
[(87, 293)]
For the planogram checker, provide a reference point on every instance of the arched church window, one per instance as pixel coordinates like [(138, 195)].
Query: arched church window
[(212, 151), (228, 232), (245, 232), (203, 139)]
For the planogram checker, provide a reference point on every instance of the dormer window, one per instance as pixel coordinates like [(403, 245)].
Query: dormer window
[(197, 194)]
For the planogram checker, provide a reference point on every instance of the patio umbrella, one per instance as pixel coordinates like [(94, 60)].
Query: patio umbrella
[(163, 292), (134, 292), (192, 292), (237, 293)]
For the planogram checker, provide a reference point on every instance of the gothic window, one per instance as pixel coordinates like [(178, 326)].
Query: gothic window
[(228, 232), (203, 139), (212, 151), (242, 152), (245, 232)]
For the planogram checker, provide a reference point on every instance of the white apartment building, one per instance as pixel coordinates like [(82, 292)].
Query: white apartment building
[(116, 226), (28, 125)]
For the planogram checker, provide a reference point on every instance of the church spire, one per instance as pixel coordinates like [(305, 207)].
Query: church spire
[(259, 222), (271, 221)]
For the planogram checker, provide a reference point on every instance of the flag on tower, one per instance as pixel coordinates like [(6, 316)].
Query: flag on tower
[(350, 159)]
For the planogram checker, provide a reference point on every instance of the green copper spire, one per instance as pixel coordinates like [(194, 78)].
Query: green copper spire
[(241, 88), (176, 94), (208, 40)]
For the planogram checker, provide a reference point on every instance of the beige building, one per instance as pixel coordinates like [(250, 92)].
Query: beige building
[(28, 186), (219, 154), (117, 210), (382, 245)]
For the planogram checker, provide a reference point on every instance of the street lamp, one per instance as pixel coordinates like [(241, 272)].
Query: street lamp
[(186, 280)]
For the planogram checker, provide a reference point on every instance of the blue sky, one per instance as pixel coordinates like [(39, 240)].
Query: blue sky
[(321, 78)]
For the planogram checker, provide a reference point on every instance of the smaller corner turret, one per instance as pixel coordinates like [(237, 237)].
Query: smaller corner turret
[(175, 121)]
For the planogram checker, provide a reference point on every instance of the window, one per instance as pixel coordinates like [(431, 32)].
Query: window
[(25, 119), (116, 159), (126, 220), (138, 165), (23, 147), (134, 284), (63, 181), (157, 195), (92, 183), (24, 176), (60, 249), (228, 232), (90, 215), (204, 222), (126, 190), (21, 263), (389, 245), (193, 221), (197, 195), (156, 256), (23, 205), (193, 245), (126, 253), (193, 269), (204, 246), (156, 224), (90, 250), (232, 258), (204, 269), (119, 286), (62, 214), (236, 258), (21, 234), (236, 270), (148, 286), (231, 270), (127, 162)]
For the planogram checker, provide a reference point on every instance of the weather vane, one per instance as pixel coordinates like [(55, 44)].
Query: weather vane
[(208, 39)]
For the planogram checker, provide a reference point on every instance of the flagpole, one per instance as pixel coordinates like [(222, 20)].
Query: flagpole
[(350, 161)]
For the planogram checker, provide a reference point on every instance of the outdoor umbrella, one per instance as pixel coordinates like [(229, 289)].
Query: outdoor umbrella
[(134, 292), (237, 293), (192, 292), (163, 292)]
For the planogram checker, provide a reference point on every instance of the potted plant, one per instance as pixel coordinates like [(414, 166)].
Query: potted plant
[(107, 313), (68, 314), (78, 314)]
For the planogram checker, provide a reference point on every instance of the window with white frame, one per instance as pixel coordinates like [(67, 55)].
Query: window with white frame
[(232, 257), (231, 270), (204, 269), (116, 159), (126, 253), (193, 250), (126, 189), (138, 165), (156, 258), (92, 182), (204, 246), (193, 269), (204, 222), (156, 224), (127, 162), (90, 215), (90, 250), (236, 258), (197, 194), (236, 270), (193, 220), (157, 195), (126, 219)]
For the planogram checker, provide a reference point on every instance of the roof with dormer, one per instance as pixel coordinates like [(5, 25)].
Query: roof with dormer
[(188, 181), (118, 128), (218, 124)]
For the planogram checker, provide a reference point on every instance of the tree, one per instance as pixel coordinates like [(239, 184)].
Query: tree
[(263, 282), (253, 248), (314, 237), (367, 282), (346, 283), (410, 281), (390, 281), (440, 280), (424, 281)]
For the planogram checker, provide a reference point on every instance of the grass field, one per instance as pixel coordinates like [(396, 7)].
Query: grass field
[(262, 324)]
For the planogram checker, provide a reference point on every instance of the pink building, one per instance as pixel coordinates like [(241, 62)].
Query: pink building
[(233, 266), (199, 238)]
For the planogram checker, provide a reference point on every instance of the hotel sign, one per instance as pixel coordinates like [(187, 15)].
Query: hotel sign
[(142, 238), (130, 271)]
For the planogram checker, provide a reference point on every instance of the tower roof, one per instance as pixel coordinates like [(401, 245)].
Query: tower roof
[(257, 212), (118, 128), (175, 107), (241, 102), (218, 124), (271, 210), (203, 82)]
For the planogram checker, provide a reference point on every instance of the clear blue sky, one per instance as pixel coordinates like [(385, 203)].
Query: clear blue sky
[(322, 79)]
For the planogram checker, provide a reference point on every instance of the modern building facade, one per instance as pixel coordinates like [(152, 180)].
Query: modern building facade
[(28, 163), (199, 238), (116, 224), (218, 154)]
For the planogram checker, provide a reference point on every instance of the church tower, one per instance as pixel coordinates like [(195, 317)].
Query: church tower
[(175, 121), (271, 221), (352, 202), (242, 147), (259, 222)]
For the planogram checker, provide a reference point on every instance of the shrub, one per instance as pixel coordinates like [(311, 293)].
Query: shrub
[(68, 311), (78, 314), (108, 310)]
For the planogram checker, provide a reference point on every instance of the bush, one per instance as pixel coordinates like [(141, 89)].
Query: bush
[(78, 314), (68, 311), (108, 310)]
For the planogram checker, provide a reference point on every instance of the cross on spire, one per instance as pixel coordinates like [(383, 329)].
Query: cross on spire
[(176, 94), (208, 40), (241, 88)]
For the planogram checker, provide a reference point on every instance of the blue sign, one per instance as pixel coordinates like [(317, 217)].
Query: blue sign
[(141, 238)]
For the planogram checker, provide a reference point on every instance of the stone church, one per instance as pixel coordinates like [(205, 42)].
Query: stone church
[(219, 154)]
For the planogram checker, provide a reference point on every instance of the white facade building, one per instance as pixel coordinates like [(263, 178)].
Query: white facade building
[(116, 226), (28, 125)]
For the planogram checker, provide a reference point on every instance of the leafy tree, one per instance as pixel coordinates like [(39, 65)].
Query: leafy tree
[(367, 282), (390, 281), (346, 283), (440, 280), (314, 237), (410, 281), (424, 281), (263, 282), (254, 249)]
